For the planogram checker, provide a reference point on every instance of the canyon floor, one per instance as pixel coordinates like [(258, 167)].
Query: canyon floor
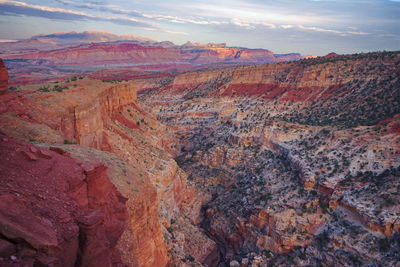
[(285, 164)]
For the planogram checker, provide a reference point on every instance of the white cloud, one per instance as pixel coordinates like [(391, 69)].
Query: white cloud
[(44, 8), (175, 32), (21, 8), (180, 20), (342, 33)]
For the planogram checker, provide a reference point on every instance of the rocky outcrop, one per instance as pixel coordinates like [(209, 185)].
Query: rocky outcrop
[(55, 210), (86, 120), (279, 237), (89, 118), (3, 77), (156, 190), (76, 118), (331, 55)]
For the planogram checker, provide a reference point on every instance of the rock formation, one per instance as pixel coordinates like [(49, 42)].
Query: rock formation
[(155, 191), (55, 210)]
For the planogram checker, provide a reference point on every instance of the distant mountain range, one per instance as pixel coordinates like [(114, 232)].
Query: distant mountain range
[(62, 40), (128, 56)]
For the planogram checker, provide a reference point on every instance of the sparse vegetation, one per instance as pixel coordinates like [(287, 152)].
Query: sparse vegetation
[(44, 89), (56, 88), (115, 81), (67, 142)]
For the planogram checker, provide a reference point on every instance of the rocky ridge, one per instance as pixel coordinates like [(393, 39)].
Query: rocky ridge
[(57, 211)]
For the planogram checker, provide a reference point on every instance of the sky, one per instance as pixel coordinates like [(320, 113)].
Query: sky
[(309, 27)]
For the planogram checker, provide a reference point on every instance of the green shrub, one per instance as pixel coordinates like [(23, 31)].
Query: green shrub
[(44, 89), (190, 258), (58, 88)]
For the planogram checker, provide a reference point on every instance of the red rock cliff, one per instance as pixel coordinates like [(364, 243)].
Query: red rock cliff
[(55, 211), (100, 116)]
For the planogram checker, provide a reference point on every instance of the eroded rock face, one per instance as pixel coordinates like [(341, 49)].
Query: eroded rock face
[(109, 119), (63, 212), (3, 77)]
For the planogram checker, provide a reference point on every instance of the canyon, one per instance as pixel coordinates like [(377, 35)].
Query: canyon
[(291, 163)]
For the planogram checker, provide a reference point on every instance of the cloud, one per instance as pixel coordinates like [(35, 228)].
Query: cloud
[(229, 14), (181, 20), (248, 16), (102, 7), (175, 32), (24, 9), (20, 8), (342, 33), (265, 12)]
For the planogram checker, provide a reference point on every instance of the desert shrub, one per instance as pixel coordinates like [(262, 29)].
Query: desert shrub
[(44, 89), (384, 244), (58, 88), (323, 239)]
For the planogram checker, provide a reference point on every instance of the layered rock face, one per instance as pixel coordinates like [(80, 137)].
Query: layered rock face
[(301, 158), (3, 77), (162, 208), (56, 211)]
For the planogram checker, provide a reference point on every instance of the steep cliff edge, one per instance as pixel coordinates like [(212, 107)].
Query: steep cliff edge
[(106, 117), (55, 210)]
